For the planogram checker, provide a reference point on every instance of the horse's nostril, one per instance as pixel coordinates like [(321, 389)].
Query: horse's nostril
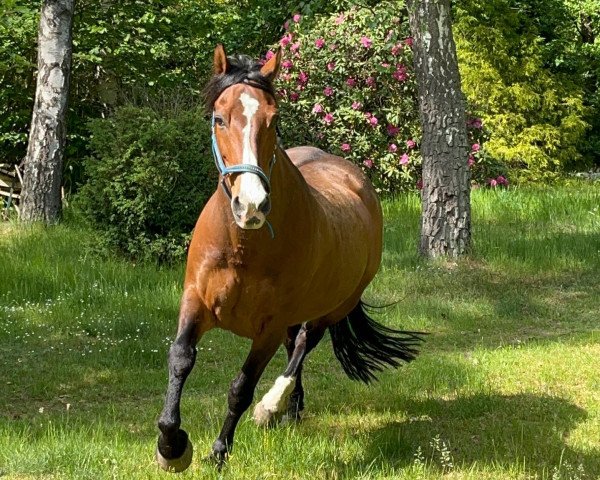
[(236, 205), (265, 205)]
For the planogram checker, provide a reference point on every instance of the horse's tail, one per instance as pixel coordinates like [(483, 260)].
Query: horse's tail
[(363, 346)]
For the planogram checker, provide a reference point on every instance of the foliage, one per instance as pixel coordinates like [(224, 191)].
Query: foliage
[(535, 113), (347, 86), (148, 177), (119, 49)]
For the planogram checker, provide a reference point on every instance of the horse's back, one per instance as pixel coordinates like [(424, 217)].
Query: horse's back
[(327, 174)]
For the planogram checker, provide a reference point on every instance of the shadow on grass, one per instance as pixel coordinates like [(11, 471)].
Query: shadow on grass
[(512, 432)]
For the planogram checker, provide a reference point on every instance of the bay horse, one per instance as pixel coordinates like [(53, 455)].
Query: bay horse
[(280, 254)]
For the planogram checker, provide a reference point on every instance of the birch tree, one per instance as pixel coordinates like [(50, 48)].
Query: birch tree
[(43, 165), (446, 211)]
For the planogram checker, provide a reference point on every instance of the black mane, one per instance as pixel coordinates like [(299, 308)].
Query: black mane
[(242, 69)]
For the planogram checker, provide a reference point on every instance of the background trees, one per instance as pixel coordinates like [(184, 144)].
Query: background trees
[(42, 179), (529, 72)]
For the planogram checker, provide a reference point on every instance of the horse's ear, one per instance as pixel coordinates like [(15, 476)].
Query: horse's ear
[(271, 68), (220, 61)]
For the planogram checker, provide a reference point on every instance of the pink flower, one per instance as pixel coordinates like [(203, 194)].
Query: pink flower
[(396, 49), (356, 105), (368, 163), (294, 96), (400, 73), (502, 180), (285, 40), (328, 118), (328, 91), (269, 55), (392, 131), (297, 17), (420, 184), (471, 161), (392, 147), (340, 19), (368, 115), (475, 147), (408, 41), (366, 42), (404, 159), (370, 81), (345, 147), (287, 77), (373, 121), (330, 66), (493, 182), (318, 108), (303, 78), (410, 144), (351, 82), (476, 123), (295, 47), (385, 64), (287, 64), (319, 43), (286, 25)]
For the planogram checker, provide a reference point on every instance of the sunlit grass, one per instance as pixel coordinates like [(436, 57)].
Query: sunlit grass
[(507, 386)]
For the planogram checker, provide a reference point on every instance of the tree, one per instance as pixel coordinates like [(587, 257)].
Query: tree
[(43, 164), (446, 214)]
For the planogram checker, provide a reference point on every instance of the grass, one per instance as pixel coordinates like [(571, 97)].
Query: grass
[(507, 385)]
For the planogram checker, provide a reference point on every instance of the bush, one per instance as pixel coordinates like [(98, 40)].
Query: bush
[(348, 87), (148, 178), (534, 111)]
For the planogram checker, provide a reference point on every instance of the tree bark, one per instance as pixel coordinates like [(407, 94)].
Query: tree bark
[(43, 165), (446, 207)]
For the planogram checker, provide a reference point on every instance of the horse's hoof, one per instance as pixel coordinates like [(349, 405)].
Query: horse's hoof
[(176, 465)]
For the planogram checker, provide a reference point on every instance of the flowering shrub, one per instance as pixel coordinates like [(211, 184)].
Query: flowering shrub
[(346, 86)]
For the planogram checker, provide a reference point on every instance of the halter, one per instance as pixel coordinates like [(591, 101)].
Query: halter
[(225, 171)]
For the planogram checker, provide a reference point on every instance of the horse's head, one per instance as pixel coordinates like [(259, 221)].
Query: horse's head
[(241, 98)]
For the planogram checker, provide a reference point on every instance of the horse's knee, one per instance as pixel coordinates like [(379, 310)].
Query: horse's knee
[(182, 356)]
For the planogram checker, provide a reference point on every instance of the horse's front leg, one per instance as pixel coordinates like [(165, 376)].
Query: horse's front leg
[(241, 392), (174, 450)]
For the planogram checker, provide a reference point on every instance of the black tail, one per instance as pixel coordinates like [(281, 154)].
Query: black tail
[(363, 346)]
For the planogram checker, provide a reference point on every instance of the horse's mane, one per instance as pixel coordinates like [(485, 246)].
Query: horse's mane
[(242, 69)]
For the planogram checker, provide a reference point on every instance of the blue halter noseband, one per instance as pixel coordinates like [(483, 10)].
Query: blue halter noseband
[(225, 171)]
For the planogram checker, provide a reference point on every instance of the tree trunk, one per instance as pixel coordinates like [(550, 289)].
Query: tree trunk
[(446, 214), (43, 165)]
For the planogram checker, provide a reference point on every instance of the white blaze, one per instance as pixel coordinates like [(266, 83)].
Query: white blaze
[(252, 190)]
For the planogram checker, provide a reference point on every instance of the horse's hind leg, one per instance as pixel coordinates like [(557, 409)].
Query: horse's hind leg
[(241, 392), (174, 450), (287, 394)]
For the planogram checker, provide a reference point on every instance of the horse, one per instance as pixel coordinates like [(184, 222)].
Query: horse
[(281, 253)]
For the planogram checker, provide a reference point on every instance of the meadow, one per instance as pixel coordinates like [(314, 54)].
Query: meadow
[(507, 385)]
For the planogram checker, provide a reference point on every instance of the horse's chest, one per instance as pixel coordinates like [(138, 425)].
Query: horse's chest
[(241, 302)]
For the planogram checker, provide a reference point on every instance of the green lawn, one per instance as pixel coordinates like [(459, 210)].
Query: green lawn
[(507, 385)]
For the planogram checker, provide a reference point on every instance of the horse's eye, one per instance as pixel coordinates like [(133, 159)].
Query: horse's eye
[(219, 122)]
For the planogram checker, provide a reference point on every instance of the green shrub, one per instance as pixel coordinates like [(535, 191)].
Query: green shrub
[(148, 178), (534, 112)]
